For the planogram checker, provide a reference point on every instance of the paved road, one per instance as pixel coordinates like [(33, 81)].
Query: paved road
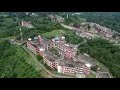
[(72, 28), (69, 27), (82, 42)]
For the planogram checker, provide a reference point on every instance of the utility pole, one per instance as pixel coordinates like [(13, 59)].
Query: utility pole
[(21, 34), (67, 15)]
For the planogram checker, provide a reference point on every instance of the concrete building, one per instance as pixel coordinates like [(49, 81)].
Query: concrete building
[(103, 75), (106, 32), (26, 24), (69, 64), (68, 50)]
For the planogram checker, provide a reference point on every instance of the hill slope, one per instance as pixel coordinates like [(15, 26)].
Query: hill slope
[(13, 62)]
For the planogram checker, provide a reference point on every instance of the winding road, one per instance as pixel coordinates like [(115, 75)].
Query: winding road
[(70, 27), (76, 29)]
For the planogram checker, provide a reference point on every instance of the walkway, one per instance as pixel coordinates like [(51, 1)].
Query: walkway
[(72, 28)]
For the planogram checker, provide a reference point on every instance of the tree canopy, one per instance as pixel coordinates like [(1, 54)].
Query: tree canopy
[(13, 62), (105, 52)]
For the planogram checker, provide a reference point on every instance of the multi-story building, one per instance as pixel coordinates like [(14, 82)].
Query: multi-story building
[(106, 32), (66, 65), (72, 67), (68, 50), (32, 47), (26, 24), (58, 42), (56, 18), (103, 75), (85, 34), (37, 46), (59, 18), (50, 59)]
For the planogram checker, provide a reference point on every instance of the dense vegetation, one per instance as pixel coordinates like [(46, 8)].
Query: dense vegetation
[(70, 37), (13, 58), (53, 34), (13, 62), (40, 59), (107, 19), (9, 25), (73, 19), (105, 52), (100, 49)]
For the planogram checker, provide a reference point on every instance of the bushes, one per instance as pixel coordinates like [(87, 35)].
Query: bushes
[(40, 58), (109, 19), (47, 67), (104, 52), (13, 62), (72, 38), (9, 25)]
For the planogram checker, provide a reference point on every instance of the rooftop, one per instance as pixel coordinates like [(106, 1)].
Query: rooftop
[(88, 65), (44, 40), (60, 38), (50, 56), (88, 59), (53, 58), (34, 45), (71, 63), (29, 39), (28, 24), (103, 75), (71, 46)]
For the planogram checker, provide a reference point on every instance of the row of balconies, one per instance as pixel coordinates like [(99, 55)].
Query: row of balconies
[(77, 70), (55, 64), (51, 64)]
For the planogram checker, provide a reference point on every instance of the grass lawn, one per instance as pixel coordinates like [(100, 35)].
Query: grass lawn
[(53, 33)]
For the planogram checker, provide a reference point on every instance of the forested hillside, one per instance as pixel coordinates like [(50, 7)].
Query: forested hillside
[(105, 52), (13, 62), (107, 19), (13, 58), (9, 26)]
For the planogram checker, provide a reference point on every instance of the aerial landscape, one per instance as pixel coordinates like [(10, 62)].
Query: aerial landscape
[(59, 45)]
